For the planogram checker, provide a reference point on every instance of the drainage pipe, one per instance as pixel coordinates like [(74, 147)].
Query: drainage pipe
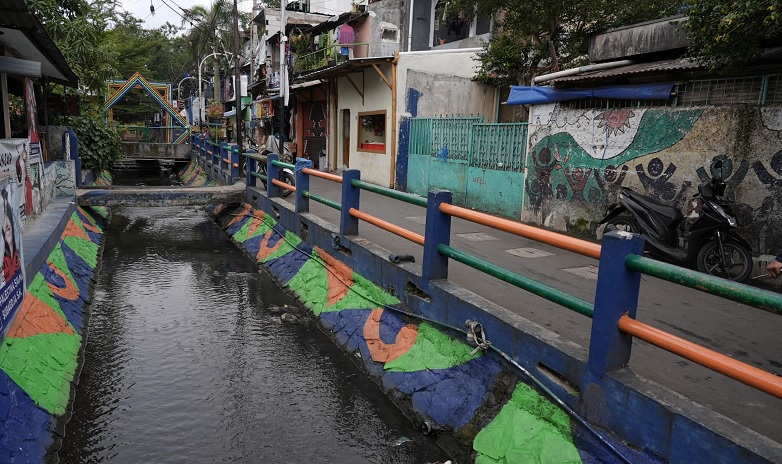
[(581, 69)]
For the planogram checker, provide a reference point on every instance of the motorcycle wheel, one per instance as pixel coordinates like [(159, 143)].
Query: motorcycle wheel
[(737, 257), (288, 179), (622, 223)]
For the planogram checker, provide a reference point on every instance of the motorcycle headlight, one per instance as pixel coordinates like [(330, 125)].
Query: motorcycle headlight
[(721, 211)]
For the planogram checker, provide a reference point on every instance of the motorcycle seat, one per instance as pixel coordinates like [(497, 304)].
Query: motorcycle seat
[(672, 214)]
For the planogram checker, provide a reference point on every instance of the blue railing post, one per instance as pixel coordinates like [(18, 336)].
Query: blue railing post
[(616, 295), (272, 172), (437, 231), (252, 167), (236, 164), (348, 225), (222, 173), (302, 185), (70, 150)]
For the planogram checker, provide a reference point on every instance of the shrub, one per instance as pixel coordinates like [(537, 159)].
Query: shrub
[(99, 144)]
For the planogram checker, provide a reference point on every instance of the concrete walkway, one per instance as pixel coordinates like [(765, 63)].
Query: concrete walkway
[(742, 332)]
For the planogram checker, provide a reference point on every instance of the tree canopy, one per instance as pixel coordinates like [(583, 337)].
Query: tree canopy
[(538, 36), (725, 34)]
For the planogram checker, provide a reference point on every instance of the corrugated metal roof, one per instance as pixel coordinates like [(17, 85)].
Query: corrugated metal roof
[(23, 33), (679, 64)]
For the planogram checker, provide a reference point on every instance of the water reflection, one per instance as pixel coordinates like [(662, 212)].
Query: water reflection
[(185, 363)]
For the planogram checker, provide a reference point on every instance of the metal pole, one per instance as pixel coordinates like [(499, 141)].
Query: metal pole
[(283, 75), (237, 80)]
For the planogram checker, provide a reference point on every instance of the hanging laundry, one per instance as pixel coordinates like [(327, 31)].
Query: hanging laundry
[(346, 37)]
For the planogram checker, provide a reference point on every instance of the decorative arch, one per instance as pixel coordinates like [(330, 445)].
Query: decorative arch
[(161, 92)]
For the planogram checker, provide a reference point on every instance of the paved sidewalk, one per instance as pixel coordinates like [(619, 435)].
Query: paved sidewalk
[(742, 332)]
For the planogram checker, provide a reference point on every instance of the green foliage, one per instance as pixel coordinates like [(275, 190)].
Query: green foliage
[(727, 34), (535, 37), (99, 144)]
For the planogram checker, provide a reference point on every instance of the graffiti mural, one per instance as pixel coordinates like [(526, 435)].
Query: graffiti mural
[(579, 159)]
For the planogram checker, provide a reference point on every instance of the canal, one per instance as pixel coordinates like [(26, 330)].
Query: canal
[(190, 358)]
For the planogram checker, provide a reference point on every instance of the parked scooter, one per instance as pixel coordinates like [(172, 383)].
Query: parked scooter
[(272, 146), (710, 243)]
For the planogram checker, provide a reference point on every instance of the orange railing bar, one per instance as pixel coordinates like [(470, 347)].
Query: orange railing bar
[(324, 175), (394, 229), (282, 184), (737, 370), (541, 235)]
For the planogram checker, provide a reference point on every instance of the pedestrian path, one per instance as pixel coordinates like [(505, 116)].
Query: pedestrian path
[(742, 332)]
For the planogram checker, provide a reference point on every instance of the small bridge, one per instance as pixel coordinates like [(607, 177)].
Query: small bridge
[(161, 196)]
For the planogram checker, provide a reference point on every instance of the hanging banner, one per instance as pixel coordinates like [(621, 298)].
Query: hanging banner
[(32, 121), (12, 284)]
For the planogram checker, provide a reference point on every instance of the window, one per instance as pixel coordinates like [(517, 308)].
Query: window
[(372, 131)]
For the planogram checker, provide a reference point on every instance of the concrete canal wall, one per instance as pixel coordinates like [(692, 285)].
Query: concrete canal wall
[(406, 335), (39, 355)]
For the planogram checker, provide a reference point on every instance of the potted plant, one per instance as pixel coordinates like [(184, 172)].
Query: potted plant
[(214, 111)]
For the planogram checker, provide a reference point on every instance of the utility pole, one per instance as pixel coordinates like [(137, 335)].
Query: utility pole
[(238, 80)]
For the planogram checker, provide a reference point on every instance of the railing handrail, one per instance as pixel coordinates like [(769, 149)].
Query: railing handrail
[(391, 193), (385, 225), (741, 293), (322, 175), (558, 240), (718, 362)]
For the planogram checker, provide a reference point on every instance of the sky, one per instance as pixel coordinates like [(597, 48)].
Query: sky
[(168, 10)]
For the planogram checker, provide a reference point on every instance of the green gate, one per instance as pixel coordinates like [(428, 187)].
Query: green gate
[(481, 164)]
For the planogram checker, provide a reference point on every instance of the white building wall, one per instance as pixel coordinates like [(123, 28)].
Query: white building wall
[(374, 167)]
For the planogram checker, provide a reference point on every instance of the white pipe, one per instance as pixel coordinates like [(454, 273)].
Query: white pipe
[(200, 94), (447, 50), (410, 27), (580, 69)]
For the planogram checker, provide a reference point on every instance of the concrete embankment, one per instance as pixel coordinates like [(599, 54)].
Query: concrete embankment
[(478, 406), (39, 356)]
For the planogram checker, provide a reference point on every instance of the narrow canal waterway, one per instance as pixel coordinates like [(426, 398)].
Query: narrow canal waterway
[(186, 361)]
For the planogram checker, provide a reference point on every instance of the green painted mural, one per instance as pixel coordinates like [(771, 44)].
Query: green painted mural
[(579, 159)]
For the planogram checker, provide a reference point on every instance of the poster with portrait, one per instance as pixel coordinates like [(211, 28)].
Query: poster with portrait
[(13, 164), (13, 281), (33, 153)]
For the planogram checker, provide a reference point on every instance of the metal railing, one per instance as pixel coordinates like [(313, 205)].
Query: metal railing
[(620, 268)]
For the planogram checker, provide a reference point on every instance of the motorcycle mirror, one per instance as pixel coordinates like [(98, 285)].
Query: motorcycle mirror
[(718, 167)]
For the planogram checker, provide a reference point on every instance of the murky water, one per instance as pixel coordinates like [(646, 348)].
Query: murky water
[(186, 363)]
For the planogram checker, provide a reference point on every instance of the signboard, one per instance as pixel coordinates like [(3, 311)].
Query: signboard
[(12, 284)]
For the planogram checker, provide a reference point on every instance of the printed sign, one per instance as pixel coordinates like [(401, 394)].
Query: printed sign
[(12, 283)]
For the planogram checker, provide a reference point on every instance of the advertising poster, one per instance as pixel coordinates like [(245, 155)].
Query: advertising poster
[(12, 283), (13, 164), (33, 153)]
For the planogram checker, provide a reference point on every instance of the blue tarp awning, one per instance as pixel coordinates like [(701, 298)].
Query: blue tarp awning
[(522, 95)]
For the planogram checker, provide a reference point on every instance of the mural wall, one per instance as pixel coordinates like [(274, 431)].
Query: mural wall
[(578, 159)]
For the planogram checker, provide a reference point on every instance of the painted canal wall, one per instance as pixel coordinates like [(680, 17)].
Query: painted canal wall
[(578, 159), (483, 411), (39, 355)]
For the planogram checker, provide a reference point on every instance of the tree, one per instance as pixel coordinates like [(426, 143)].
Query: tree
[(727, 34), (538, 36), (211, 32)]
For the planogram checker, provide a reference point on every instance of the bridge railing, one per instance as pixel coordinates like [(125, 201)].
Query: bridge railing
[(221, 160), (621, 264)]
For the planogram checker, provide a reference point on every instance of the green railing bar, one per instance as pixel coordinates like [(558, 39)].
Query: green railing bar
[(258, 175), (391, 193), (283, 165), (552, 294), (761, 299), (322, 200)]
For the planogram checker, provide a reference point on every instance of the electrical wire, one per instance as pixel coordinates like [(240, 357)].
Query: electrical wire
[(570, 411)]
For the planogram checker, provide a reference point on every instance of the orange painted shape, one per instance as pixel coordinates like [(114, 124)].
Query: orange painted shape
[(36, 318), (73, 230), (70, 292), (340, 277), (264, 251), (240, 216), (387, 352), (255, 222)]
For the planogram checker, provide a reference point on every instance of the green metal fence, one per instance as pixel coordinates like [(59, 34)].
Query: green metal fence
[(428, 136), (500, 147)]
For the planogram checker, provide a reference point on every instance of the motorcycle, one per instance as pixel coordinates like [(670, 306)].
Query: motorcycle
[(710, 243), (272, 146)]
